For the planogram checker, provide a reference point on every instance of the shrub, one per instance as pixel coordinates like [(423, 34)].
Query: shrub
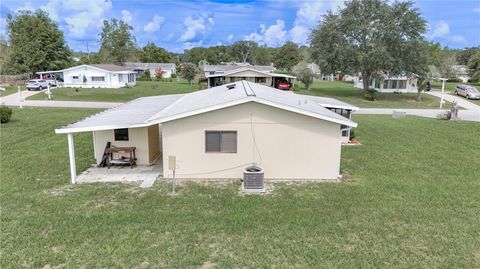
[(174, 76), (371, 94), (447, 115), (352, 134), (5, 114)]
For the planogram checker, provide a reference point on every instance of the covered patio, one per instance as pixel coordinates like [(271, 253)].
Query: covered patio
[(145, 173)]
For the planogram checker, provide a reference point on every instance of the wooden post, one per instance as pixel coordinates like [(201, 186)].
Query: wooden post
[(71, 154)]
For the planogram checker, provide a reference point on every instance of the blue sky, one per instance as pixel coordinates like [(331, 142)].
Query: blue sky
[(177, 25)]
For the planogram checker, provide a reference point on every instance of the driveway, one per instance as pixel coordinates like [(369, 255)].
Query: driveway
[(14, 100), (453, 98)]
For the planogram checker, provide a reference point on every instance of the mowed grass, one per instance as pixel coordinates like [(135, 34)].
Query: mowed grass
[(409, 199), (143, 88), (346, 92), (341, 90), (450, 86), (11, 89)]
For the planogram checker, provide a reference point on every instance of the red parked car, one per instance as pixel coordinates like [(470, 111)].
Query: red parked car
[(283, 85)]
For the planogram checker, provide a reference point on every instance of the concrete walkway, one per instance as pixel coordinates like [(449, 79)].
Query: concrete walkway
[(14, 100)]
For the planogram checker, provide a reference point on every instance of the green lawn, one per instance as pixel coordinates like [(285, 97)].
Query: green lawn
[(409, 199), (10, 90), (340, 90), (143, 88), (346, 92), (450, 86)]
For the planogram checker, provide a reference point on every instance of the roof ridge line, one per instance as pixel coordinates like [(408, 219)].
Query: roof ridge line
[(166, 108)]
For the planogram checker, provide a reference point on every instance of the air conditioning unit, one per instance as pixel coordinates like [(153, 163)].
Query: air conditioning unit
[(253, 181)]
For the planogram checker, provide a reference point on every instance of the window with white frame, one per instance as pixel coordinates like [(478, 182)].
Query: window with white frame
[(221, 141), (98, 78)]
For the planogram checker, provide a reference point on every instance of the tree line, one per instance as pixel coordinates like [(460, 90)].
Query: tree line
[(371, 37)]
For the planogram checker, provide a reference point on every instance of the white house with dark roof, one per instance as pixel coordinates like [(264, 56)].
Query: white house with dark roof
[(94, 76), (217, 132), (168, 69)]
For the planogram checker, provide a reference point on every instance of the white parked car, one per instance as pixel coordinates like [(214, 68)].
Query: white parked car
[(37, 84)]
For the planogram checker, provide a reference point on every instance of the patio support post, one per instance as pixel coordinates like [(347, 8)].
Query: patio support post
[(71, 153)]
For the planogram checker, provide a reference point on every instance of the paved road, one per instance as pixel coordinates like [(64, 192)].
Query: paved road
[(470, 115), (14, 100)]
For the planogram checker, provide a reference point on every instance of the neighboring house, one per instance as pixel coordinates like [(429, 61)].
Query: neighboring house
[(94, 76), (391, 84), (168, 69), (314, 68), (461, 72), (250, 74), (217, 132), (209, 70)]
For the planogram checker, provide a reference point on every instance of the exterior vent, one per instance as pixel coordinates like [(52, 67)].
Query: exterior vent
[(231, 86), (253, 181)]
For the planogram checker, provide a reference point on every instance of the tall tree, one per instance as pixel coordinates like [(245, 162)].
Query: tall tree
[(287, 56), (4, 56), (150, 53), (244, 50), (36, 43), (188, 71), (117, 44), (474, 66), (464, 56), (373, 37)]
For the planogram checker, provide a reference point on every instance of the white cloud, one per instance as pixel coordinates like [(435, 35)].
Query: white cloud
[(26, 6), (275, 35), (127, 16), (189, 45), (230, 37), (195, 27), (154, 25), (85, 19), (52, 7), (459, 39), (308, 16), (441, 29), (299, 34)]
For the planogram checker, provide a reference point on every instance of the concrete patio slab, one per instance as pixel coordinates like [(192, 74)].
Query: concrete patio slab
[(121, 174)]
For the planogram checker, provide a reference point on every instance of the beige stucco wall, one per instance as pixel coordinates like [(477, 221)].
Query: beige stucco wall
[(145, 139), (290, 145), (153, 143)]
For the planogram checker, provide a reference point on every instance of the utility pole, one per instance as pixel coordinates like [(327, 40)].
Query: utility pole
[(88, 51)]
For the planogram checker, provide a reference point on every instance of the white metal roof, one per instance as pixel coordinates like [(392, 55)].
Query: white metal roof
[(332, 103), (111, 68), (158, 109), (164, 66), (128, 115), (249, 68), (230, 67)]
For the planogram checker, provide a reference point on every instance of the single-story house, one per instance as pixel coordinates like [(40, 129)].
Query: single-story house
[(225, 68), (249, 74), (390, 84), (461, 73), (168, 69), (94, 76), (217, 132)]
